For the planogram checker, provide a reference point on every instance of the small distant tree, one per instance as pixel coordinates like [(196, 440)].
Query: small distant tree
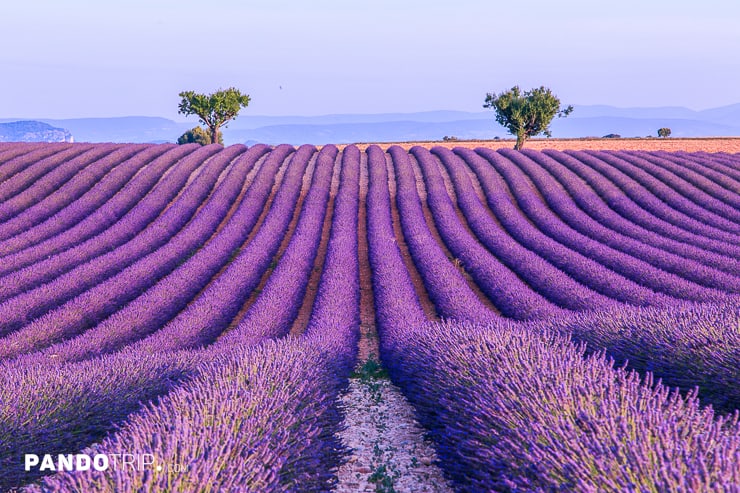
[(197, 135), (664, 132), (526, 114), (214, 109)]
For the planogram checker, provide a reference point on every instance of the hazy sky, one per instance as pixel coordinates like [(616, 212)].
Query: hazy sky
[(82, 58)]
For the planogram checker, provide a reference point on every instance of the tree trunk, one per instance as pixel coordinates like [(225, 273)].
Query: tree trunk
[(519, 142), (214, 135)]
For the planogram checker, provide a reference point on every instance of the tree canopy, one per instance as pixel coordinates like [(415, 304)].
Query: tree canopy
[(215, 109), (664, 132), (526, 114)]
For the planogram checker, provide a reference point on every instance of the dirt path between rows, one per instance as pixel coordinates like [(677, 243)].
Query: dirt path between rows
[(389, 450)]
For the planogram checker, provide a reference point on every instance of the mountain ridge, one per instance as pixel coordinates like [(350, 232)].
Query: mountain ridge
[(585, 121), (33, 131)]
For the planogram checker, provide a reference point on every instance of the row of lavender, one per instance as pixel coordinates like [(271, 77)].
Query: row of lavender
[(63, 408), (293, 427), (162, 299), (268, 409), (59, 402), (538, 251), (517, 406)]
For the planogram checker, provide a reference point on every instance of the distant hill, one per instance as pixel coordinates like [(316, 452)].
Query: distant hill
[(596, 121), (340, 133), (599, 126), (124, 129), (255, 121), (585, 121), (33, 131)]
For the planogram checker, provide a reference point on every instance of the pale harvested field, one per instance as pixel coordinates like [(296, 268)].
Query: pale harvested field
[(706, 144)]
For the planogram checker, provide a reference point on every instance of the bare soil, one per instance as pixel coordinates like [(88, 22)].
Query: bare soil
[(389, 449), (699, 144)]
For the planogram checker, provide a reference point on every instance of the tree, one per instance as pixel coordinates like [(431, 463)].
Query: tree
[(528, 114), (197, 135), (664, 132), (214, 109)]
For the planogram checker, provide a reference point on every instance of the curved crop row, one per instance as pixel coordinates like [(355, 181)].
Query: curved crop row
[(669, 273), (10, 154), (631, 204), (545, 278), (638, 226), (26, 169), (82, 180), (681, 192), (119, 297), (576, 264), (145, 213), (59, 174), (278, 303), (643, 195), (270, 408), (449, 291), (281, 293), (19, 310), (99, 189), (725, 164), (101, 226), (161, 303), (720, 186), (638, 271), (494, 278), (217, 305)]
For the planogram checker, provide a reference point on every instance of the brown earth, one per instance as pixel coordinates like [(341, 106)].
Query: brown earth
[(704, 144)]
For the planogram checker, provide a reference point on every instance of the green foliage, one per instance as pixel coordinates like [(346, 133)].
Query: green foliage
[(383, 481), (526, 114), (197, 135), (370, 370), (664, 132), (214, 110)]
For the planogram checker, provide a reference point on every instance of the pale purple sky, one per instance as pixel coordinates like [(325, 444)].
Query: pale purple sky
[(86, 58)]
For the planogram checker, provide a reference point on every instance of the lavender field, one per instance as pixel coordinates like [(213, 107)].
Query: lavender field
[(559, 320)]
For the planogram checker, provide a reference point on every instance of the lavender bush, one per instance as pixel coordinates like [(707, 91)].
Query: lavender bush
[(676, 211), (517, 410), (100, 220), (93, 167), (545, 278), (23, 171), (449, 291), (31, 304), (585, 227), (100, 188), (634, 223)]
